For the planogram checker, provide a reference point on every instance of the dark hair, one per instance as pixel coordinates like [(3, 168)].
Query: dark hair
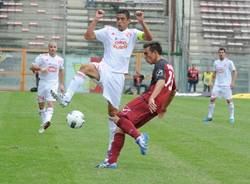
[(125, 12), (220, 49), (153, 46)]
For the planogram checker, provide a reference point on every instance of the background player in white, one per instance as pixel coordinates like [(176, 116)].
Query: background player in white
[(50, 69), (225, 75), (118, 45)]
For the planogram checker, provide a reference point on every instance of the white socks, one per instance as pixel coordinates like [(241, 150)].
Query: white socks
[(112, 128), (42, 115), (49, 113), (231, 110), (211, 110), (46, 114), (75, 83)]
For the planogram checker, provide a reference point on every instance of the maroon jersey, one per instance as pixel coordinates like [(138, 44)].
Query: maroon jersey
[(137, 110), (162, 70), (193, 74)]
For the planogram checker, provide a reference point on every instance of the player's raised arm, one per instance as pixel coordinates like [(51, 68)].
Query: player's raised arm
[(90, 34), (140, 18)]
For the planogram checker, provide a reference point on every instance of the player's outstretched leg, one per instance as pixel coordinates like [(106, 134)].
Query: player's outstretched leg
[(142, 141), (59, 98)]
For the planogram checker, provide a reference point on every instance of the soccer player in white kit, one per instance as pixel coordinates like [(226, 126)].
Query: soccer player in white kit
[(225, 75), (50, 69), (118, 45)]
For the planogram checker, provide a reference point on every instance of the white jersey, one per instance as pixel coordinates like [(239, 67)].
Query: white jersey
[(118, 46), (54, 64), (223, 69)]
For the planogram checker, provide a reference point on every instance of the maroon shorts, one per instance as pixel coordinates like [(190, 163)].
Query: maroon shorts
[(137, 111)]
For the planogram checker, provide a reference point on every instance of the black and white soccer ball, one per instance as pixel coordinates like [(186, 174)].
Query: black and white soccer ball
[(75, 119)]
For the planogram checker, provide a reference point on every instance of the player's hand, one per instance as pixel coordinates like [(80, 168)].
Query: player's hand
[(35, 68), (114, 118), (61, 87), (152, 105), (232, 85), (139, 16), (99, 14), (161, 115), (44, 70)]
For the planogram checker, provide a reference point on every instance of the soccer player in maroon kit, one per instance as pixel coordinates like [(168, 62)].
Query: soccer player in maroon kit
[(145, 107)]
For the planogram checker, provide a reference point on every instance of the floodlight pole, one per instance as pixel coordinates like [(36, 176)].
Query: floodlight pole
[(64, 27), (169, 30)]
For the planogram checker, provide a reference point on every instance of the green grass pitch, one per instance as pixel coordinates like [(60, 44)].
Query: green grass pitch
[(182, 149)]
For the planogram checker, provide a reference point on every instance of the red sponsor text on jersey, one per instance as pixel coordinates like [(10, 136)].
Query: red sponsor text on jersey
[(120, 44), (52, 69)]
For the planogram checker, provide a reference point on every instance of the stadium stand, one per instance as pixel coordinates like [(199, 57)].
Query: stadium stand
[(217, 24), (25, 20), (208, 24), (31, 24)]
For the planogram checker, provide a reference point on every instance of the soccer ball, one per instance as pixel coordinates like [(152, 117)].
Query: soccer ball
[(75, 119)]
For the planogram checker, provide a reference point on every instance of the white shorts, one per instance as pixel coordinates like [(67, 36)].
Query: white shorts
[(112, 84), (44, 88), (221, 91)]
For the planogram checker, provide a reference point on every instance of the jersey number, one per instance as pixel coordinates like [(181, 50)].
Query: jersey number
[(170, 80)]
